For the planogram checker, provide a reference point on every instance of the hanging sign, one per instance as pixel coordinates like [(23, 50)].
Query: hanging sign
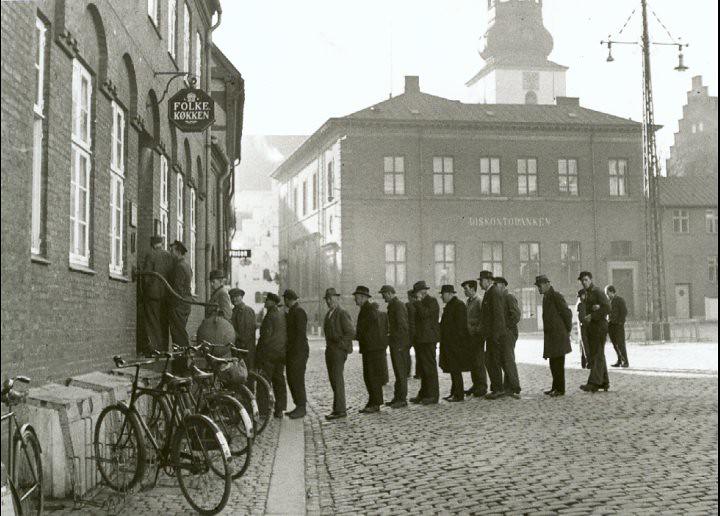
[(191, 110)]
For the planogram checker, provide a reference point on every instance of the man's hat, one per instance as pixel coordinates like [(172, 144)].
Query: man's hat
[(234, 292), (470, 283), (485, 275), (387, 288), (583, 274), (156, 239), (179, 246), (362, 290), (216, 274), (273, 297), (290, 295), (541, 279), (447, 289), (500, 279), (331, 292), (420, 285)]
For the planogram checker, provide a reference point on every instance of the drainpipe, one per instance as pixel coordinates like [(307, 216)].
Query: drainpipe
[(208, 144)]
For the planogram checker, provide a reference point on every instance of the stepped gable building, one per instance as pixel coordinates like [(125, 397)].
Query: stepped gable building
[(423, 187), (92, 168)]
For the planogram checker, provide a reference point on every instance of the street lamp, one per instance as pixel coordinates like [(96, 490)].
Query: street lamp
[(654, 262)]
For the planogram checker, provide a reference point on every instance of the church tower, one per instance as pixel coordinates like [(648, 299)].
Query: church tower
[(516, 50)]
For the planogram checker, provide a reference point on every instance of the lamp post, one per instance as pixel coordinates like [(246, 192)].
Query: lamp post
[(656, 311)]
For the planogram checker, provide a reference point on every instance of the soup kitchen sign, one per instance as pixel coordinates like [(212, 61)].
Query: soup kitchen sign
[(191, 110), (484, 222)]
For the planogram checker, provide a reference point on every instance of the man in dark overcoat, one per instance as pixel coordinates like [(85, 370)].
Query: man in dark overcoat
[(339, 334), (244, 321), (494, 328), (512, 318), (383, 323), (271, 349), (582, 333), (156, 299), (297, 353), (372, 349), (455, 352), (219, 296), (427, 335), (616, 326), (597, 308), (399, 343), (182, 284), (411, 332), (478, 372), (557, 324)]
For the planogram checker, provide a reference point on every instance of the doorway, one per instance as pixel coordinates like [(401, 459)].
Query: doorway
[(682, 301), (623, 280)]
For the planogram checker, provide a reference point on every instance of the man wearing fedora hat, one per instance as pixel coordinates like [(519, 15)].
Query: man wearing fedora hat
[(219, 296), (557, 323), (494, 328), (182, 284), (478, 373), (427, 335), (271, 349), (372, 349), (455, 352), (399, 343), (297, 352), (339, 333), (244, 321), (155, 298)]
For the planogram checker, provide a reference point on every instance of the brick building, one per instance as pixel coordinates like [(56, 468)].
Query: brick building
[(91, 168), (423, 187)]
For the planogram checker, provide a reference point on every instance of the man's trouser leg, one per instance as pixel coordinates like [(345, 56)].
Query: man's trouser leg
[(296, 378), (156, 324), (179, 315), (427, 359), (335, 362), (598, 366), (398, 358), (457, 386), (557, 369), (373, 376), (408, 362), (478, 372), (511, 382), (274, 372), (492, 364), (616, 333)]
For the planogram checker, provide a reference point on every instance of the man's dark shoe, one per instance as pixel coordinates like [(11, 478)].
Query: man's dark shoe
[(616, 364), (455, 399), (398, 404), (495, 395), (371, 409), (429, 401), (335, 415), (278, 415), (448, 398), (297, 413), (479, 394), (588, 387), (625, 364), (469, 391), (555, 394), (416, 399), (389, 403), (514, 395), (550, 392)]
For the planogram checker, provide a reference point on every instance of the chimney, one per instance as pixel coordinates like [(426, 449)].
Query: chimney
[(412, 84), (567, 101)]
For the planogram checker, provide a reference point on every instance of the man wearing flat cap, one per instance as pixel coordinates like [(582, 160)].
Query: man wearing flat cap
[(557, 323), (597, 308), (427, 335), (182, 284), (244, 321), (219, 296), (478, 373), (297, 352), (156, 299), (399, 343), (271, 349), (339, 334), (455, 352), (512, 318), (372, 349)]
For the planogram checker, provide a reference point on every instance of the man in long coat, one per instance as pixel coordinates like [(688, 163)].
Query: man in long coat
[(557, 324), (271, 349), (494, 328), (597, 308), (219, 296), (411, 332), (339, 334), (616, 326), (182, 284), (455, 352), (512, 318), (582, 329), (372, 349), (297, 354), (244, 321), (399, 343), (478, 373), (155, 296), (427, 335)]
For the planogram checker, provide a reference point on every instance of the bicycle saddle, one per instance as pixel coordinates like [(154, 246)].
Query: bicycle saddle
[(199, 374), (217, 361), (172, 381)]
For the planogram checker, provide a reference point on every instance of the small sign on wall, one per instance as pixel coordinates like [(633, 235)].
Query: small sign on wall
[(132, 210)]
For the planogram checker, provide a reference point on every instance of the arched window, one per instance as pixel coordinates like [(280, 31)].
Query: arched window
[(531, 97)]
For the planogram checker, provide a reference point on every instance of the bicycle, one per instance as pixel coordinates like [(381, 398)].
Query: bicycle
[(192, 446), (25, 478)]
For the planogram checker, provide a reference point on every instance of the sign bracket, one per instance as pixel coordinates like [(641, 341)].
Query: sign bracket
[(191, 79)]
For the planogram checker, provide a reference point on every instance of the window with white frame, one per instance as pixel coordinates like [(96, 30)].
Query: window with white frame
[(617, 169), (193, 236), (568, 176), (443, 169), (330, 182), (444, 263), (711, 221), (712, 269), (82, 90), (394, 173), (527, 176), (314, 191), (528, 302), (117, 189), (153, 7), (492, 257), (198, 59), (172, 27), (37, 226), (186, 38), (529, 261), (490, 176), (395, 264), (570, 263), (164, 194), (179, 207), (681, 221)]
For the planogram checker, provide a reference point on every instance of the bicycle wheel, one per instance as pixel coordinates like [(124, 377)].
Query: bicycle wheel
[(153, 408), (27, 472), (201, 459), (119, 447), (247, 398), (236, 424), (260, 387)]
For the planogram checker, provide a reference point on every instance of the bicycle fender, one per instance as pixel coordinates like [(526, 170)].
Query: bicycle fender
[(218, 433), (20, 431), (249, 428)]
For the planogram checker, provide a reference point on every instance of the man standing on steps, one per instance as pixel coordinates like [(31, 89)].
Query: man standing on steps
[(339, 333), (182, 284), (297, 352), (271, 350), (478, 373), (243, 320), (372, 349), (427, 335), (616, 326), (219, 296), (155, 296), (399, 341)]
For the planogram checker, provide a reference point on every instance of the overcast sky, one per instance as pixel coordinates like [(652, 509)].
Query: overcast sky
[(306, 61)]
